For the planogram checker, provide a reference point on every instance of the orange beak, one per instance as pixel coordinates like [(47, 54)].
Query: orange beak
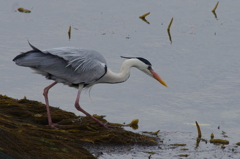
[(158, 78)]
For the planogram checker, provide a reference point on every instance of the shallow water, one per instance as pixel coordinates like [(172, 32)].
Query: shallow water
[(200, 66)]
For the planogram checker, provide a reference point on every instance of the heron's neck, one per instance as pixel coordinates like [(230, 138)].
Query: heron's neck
[(123, 75)]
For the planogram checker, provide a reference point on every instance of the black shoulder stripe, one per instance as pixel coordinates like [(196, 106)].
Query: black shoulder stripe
[(105, 68)]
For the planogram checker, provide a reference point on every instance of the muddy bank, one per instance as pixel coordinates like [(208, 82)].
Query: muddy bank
[(24, 134)]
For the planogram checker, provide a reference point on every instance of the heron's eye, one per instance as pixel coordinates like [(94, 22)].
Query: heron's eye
[(149, 67)]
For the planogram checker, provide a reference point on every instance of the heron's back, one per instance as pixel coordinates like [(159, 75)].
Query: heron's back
[(71, 66)]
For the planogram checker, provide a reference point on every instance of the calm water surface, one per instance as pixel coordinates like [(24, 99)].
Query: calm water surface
[(201, 66)]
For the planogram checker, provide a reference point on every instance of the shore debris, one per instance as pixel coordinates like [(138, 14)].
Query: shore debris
[(22, 10), (199, 130), (214, 9), (178, 144), (170, 24), (143, 17), (133, 124), (168, 30), (212, 136), (219, 141), (69, 32), (212, 140), (151, 133), (183, 155)]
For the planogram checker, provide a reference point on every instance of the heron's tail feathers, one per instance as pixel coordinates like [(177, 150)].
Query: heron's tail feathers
[(29, 58)]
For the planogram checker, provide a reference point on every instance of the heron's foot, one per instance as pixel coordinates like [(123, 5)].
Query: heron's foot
[(54, 125), (110, 127)]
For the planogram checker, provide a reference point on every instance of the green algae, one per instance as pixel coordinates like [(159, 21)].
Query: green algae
[(24, 132)]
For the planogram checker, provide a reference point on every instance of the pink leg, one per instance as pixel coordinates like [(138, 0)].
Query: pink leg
[(45, 94), (86, 113)]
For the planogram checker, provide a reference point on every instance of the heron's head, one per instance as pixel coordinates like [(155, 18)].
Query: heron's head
[(145, 66)]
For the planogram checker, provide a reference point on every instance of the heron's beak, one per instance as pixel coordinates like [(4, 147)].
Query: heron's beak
[(158, 78)]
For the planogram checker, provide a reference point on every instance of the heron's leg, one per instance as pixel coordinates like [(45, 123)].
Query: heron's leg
[(45, 94), (86, 113)]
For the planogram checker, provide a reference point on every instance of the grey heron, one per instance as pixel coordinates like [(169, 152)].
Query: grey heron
[(79, 68)]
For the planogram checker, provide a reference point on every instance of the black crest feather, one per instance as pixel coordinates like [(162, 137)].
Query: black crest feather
[(139, 58)]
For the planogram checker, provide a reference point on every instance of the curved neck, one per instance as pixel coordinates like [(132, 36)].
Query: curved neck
[(122, 76)]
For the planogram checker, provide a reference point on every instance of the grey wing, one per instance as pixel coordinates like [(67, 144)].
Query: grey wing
[(66, 65), (87, 66)]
